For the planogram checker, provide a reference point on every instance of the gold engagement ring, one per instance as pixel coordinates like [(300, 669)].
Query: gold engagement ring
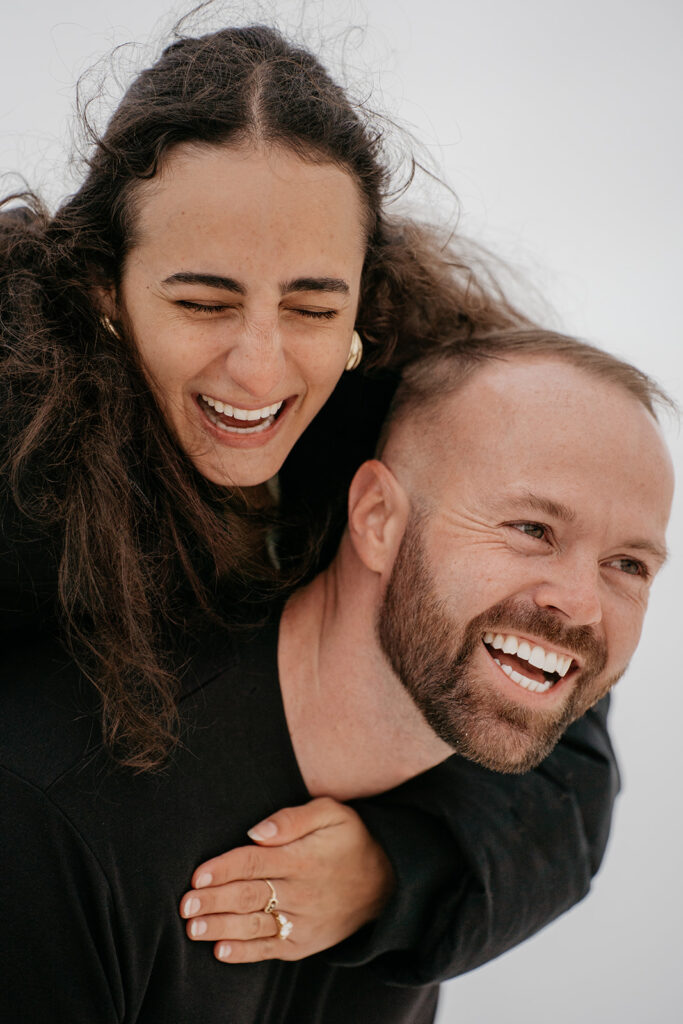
[(271, 905)]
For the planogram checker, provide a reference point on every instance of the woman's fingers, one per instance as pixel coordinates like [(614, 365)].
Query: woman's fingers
[(252, 934), (234, 898), (330, 877), (246, 862), (233, 926), (280, 829), (295, 822), (259, 949)]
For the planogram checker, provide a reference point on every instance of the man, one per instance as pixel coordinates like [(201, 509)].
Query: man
[(494, 575), (495, 572), (467, 530)]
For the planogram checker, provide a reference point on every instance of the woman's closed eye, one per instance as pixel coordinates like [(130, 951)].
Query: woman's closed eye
[(317, 314), (202, 307), (217, 307)]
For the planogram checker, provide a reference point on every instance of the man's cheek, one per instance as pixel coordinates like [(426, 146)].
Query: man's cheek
[(624, 637)]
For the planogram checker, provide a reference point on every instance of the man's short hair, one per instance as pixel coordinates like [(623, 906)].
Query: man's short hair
[(441, 373)]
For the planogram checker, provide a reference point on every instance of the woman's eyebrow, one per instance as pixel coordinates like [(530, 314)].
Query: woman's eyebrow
[(315, 284), (210, 280), (299, 284)]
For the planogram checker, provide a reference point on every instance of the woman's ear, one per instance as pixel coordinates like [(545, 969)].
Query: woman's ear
[(103, 291), (379, 509), (104, 299)]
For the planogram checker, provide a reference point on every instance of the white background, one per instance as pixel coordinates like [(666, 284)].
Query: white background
[(558, 124)]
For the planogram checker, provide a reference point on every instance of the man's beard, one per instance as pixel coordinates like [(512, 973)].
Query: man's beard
[(432, 656)]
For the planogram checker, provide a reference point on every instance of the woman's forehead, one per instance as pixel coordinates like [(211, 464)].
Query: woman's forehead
[(235, 183)]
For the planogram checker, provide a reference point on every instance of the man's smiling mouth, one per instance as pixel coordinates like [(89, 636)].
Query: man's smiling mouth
[(235, 420), (528, 665)]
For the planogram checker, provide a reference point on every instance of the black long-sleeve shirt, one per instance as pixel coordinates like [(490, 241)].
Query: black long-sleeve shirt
[(94, 858)]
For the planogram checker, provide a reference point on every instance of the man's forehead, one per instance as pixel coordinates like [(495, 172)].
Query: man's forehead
[(522, 377), (497, 393), (517, 406), (520, 421), (540, 398)]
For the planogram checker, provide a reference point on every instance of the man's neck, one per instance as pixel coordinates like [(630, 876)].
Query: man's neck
[(354, 728)]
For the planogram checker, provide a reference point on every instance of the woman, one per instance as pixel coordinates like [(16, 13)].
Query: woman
[(169, 335)]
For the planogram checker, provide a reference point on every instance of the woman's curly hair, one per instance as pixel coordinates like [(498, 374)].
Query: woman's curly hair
[(140, 537)]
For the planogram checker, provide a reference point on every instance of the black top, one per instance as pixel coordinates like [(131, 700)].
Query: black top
[(94, 859)]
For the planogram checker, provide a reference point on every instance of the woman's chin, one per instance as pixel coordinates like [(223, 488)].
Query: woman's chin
[(249, 467)]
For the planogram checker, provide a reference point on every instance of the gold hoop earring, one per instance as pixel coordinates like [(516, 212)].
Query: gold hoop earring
[(109, 327), (355, 352)]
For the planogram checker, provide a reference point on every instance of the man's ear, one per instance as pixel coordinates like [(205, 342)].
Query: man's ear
[(379, 509)]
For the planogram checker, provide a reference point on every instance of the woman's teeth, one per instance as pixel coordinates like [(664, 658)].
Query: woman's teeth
[(242, 414), (218, 412)]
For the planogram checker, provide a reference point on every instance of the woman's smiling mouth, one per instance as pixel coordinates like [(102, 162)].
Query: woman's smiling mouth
[(235, 420)]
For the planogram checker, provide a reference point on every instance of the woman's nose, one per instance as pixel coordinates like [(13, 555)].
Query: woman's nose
[(256, 362)]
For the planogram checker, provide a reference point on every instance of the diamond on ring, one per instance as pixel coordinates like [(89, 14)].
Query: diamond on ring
[(284, 925)]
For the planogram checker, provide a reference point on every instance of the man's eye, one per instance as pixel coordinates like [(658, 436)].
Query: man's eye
[(534, 530), (630, 566)]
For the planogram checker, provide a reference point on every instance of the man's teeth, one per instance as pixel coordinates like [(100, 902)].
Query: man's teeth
[(546, 661), (528, 684), (242, 414)]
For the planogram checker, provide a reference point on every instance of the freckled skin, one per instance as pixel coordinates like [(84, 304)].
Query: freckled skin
[(263, 218), (583, 559)]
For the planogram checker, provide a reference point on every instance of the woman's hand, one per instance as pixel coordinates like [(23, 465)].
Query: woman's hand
[(329, 875)]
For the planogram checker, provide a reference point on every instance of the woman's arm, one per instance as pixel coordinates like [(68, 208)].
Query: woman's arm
[(523, 850), (326, 874), (478, 863)]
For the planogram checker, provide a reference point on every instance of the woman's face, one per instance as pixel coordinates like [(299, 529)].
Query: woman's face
[(240, 292)]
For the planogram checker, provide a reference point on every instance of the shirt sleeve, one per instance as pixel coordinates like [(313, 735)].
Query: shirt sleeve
[(58, 957), (485, 860)]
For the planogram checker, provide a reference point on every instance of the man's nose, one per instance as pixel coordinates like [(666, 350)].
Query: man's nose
[(572, 588), (256, 360)]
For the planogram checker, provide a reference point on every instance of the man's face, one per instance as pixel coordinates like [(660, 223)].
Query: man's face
[(518, 595)]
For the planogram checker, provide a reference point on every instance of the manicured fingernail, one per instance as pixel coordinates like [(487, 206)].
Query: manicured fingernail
[(224, 951), (203, 880), (192, 906), (197, 928), (264, 830)]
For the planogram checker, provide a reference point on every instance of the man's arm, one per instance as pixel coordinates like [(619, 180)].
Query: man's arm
[(58, 958), (483, 860)]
